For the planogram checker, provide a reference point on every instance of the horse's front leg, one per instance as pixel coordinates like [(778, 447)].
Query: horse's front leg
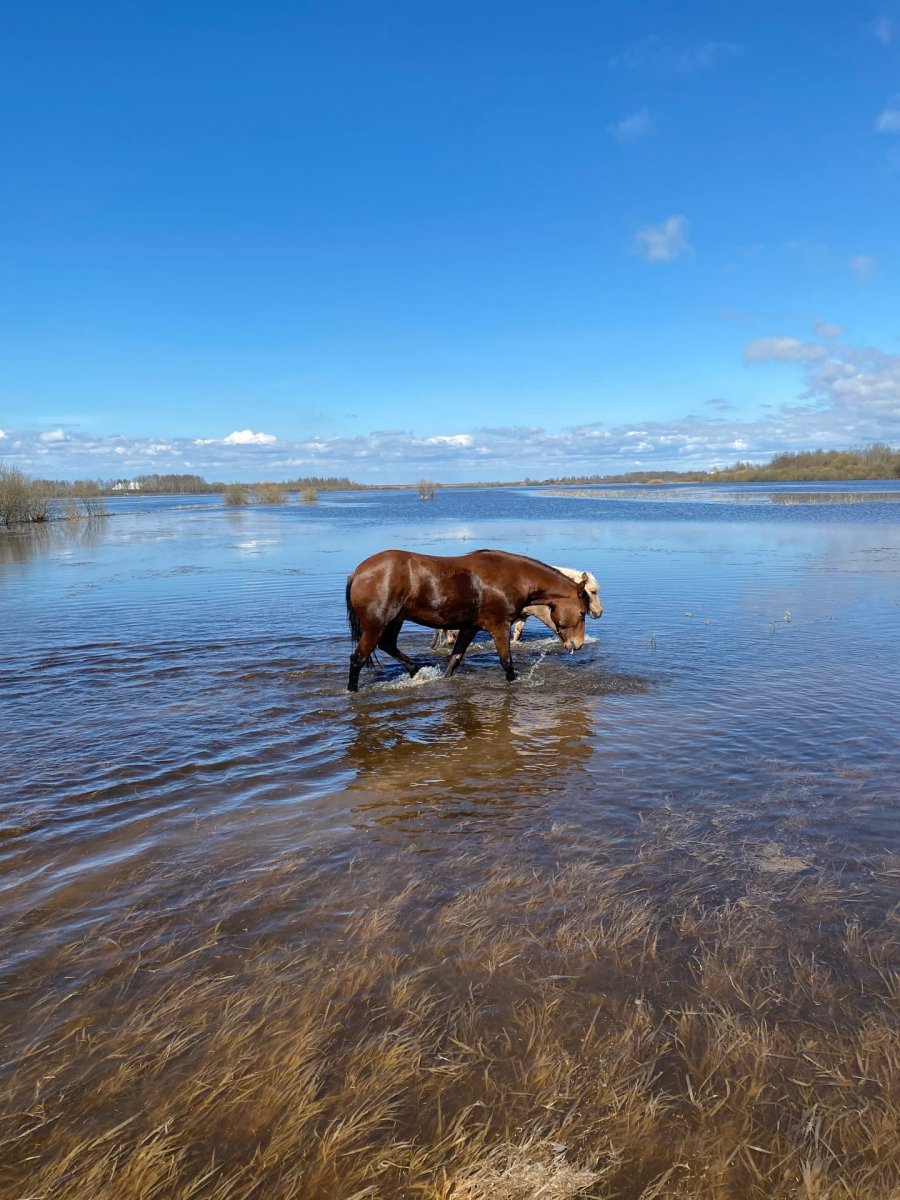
[(500, 634)]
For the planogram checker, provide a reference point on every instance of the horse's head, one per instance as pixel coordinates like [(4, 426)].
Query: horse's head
[(567, 614), (592, 587)]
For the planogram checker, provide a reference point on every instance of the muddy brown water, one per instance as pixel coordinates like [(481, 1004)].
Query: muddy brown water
[(177, 736)]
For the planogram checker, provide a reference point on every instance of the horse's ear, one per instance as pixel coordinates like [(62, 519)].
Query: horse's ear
[(584, 579)]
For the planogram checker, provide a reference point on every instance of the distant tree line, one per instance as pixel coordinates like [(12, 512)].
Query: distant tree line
[(877, 461), (185, 485)]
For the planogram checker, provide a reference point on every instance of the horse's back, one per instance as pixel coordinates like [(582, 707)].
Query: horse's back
[(429, 589)]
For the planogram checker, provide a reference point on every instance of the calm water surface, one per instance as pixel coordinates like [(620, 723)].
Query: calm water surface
[(175, 716)]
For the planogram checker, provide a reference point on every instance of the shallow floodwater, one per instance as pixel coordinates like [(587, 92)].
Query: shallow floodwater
[(175, 674), (175, 677), (176, 725)]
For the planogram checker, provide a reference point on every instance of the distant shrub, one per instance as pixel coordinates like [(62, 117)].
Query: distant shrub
[(22, 499), (235, 495), (309, 495), (426, 489), (270, 493), (88, 503)]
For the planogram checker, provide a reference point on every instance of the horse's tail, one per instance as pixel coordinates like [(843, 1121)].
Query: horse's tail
[(352, 615), (354, 622)]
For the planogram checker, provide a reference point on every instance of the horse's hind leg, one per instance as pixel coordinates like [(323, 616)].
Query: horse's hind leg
[(388, 643), (443, 638), (360, 656), (460, 646)]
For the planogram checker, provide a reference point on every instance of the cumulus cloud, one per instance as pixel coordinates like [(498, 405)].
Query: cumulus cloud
[(863, 267), (633, 128), (675, 58), (53, 435), (826, 330), (782, 349), (664, 242), (3, 434), (889, 121), (246, 437), (451, 439)]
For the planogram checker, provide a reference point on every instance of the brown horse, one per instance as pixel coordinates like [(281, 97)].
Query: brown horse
[(486, 589)]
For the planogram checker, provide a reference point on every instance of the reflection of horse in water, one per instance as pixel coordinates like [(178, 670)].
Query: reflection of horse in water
[(486, 589), (499, 749)]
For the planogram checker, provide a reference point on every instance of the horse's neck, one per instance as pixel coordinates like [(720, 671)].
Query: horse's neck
[(547, 582)]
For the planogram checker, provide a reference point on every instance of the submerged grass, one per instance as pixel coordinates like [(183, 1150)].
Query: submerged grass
[(710, 1019)]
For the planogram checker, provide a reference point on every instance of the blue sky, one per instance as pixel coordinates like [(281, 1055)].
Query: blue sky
[(468, 239)]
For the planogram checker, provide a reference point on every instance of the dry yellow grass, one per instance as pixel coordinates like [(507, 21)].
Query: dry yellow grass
[(730, 1031), (270, 493)]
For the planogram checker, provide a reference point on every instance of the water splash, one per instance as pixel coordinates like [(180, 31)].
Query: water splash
[(534, 666), (403, 682)]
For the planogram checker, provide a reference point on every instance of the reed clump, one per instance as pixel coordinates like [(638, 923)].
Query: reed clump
[(235, 495), (426, 489), (84, 502), (309, 494), (556, 1032), (270, 493)]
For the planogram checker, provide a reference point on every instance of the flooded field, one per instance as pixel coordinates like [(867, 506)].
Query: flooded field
[(627, 927)]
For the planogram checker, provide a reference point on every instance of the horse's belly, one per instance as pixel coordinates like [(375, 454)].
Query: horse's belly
[(439, 616)]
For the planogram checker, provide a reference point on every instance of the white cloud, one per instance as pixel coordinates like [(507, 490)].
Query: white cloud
[(53, 435), (246, 437), (889, 121), (662, 243), (452, 439), (883, 29), (826, 330), (633, 128), (674, 58), (2, 434), (782, 349), (862, 266)]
